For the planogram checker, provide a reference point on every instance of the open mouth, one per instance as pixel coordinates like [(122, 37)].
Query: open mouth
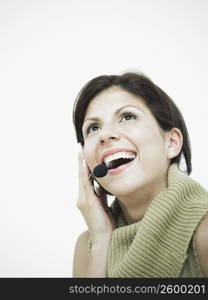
[(119, 162), (119, 159)]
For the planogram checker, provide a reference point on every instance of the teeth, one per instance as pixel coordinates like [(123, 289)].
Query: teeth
[(118, 155)]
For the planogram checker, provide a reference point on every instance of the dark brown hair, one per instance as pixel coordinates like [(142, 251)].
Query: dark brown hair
[(159, 103)]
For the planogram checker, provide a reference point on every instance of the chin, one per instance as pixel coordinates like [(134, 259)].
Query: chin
[(125, 185), (122, 191)]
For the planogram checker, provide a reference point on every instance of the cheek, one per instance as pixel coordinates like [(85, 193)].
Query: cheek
[(147, 141), (140, 137), (154, 147)]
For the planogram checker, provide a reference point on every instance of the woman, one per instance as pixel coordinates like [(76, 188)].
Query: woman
[(157, 226)]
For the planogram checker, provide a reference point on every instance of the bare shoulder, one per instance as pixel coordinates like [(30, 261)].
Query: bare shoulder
[(80, 260), (201, 243)]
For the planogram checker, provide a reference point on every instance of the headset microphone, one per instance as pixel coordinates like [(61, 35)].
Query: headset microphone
[(100, 171)]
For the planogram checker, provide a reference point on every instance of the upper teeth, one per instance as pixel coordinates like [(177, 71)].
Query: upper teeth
[(118, 155)]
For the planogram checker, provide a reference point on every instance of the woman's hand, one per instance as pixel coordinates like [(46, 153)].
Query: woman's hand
[(95, 210)]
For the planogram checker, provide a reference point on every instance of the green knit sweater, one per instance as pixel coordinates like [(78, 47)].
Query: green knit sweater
[(162, 243)]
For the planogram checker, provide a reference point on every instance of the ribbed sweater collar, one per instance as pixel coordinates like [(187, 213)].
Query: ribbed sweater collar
[(157, 245)]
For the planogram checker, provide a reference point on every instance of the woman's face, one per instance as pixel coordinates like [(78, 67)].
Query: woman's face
[(117, 121)]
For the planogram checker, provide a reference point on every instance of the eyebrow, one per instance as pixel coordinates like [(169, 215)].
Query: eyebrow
[(116, 112)]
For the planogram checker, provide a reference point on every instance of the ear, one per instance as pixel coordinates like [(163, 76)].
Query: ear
[(174, 142)]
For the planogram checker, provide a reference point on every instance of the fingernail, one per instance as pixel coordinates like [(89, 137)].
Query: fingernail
[(79, 147), (83, 163)]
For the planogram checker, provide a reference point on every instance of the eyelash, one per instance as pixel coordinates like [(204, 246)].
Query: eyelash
[(121, 117)]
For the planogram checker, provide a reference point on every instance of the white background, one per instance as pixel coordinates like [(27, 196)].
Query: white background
[(48, 51)]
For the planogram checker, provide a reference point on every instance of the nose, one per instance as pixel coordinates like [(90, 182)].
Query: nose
[(107, 135)]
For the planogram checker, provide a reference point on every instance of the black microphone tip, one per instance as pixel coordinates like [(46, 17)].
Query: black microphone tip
[(100, 170)]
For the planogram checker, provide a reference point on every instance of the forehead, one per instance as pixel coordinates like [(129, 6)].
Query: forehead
[(112, 99)]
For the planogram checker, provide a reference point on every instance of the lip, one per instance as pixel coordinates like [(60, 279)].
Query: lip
[(120, 168), (115, 150)]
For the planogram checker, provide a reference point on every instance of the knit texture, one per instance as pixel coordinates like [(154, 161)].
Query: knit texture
[(159, 244)]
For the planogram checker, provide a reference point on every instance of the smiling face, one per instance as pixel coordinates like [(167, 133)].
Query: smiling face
[(118, 121)]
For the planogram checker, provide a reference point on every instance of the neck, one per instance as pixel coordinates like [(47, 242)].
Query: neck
[(158, 245), (135, 205)]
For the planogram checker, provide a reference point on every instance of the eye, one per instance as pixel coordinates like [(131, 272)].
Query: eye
[(128, 116), (92, 127)]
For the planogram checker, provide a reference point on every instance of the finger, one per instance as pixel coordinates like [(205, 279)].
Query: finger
[(80, 165), (81, 175), (80, 159), (86, 174)]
